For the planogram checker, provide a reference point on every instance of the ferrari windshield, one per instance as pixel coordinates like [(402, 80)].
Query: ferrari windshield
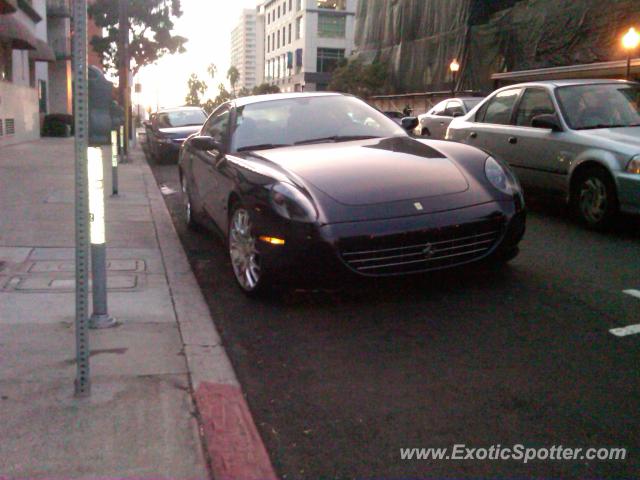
[(308, 119), (608, 105)]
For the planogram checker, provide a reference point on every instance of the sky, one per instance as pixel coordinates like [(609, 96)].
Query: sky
[(207, 24)]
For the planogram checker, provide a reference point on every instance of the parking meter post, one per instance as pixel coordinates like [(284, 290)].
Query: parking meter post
[(114, 163), (100, 317), (81, 120)]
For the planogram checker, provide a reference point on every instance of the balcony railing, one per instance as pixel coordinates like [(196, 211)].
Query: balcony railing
[(58, 8)]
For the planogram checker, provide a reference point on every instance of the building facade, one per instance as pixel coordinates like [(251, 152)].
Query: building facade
[(247, 52), (24, 54), (305, 40)]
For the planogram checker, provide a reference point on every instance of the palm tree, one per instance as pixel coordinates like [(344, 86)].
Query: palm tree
[(233, 75), (212, 70)]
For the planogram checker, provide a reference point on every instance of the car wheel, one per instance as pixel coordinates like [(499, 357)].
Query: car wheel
[(187, 207), (594, 198), (250, 273)]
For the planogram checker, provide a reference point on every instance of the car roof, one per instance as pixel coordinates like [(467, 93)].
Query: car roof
[(178, 109), (239, 102), (568, 82)]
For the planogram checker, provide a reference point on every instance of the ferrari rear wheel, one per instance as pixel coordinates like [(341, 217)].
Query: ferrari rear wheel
[(246, 262)]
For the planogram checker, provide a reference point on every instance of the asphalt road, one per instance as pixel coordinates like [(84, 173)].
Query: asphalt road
[(339, 381)]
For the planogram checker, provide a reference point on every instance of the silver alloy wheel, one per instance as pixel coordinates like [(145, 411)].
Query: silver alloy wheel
[(593, 200), (186, 201), (242, 250)]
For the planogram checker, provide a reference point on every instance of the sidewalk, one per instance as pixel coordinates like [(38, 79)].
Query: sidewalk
[(159, 380)]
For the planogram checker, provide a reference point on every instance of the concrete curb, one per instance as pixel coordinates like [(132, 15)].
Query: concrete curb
[(230, 436)]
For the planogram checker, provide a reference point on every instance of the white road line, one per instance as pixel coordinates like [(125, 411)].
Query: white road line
[(633, 293), (629, 329), (624, 331)]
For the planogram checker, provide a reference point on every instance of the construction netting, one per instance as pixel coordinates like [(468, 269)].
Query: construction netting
[(419, 38)]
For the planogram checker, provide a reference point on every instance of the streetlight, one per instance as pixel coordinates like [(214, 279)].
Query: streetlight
[(454, 66), (630, 42)]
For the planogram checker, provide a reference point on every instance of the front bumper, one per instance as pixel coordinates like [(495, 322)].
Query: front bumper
[(629, 192), (397, 246)]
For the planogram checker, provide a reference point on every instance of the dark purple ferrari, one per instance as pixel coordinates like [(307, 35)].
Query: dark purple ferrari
[(316, 182)]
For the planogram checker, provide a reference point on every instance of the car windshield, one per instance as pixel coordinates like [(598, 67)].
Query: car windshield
[(610, 105), (181, 118), (310, 119)]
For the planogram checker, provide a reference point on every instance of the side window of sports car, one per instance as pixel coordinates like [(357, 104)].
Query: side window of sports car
[(500, 107), (217, 126)]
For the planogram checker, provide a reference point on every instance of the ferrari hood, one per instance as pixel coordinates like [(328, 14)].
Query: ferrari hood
[(366, 172)]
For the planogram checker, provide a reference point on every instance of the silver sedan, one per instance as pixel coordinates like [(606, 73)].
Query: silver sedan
[(576, 138)]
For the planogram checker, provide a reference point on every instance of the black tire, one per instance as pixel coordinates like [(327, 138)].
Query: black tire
[(256, 282), (594, 199)]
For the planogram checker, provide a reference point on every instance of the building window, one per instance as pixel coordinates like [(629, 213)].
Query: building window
[(332, 4), (289, 33), (284, 7), (290, 5), (5, 61), (331, 26), (278, 11), (278, 44), (328, 59), (284, 35), (298, 28), (42, 96)]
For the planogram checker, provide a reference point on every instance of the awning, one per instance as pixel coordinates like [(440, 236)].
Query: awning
[(7, 6), (42, 53), (15, 32), (613, 69)]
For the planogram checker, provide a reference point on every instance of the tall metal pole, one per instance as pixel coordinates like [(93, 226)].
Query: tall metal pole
[(81, 114), (123, 80)]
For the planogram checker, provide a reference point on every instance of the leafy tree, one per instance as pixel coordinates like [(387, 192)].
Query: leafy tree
[(150, 27), (196, 88), (360, 79), (223, 95), (264, 88), (233, 75)]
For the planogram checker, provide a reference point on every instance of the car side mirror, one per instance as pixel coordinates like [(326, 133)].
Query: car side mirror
[(206, 143), (548, 121), (409, 123)]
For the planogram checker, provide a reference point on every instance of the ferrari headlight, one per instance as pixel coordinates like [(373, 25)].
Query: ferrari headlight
[(500, 177), (634, 165), (291, 203)]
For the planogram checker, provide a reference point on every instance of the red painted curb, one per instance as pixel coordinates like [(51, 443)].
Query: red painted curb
[(232, 440)]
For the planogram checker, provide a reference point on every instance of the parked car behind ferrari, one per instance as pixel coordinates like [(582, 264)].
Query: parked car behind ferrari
[(169, 128)]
